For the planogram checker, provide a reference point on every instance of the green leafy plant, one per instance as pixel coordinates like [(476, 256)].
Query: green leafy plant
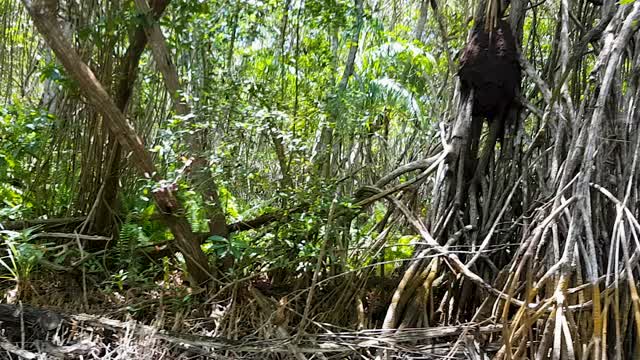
[(222, 247), (21, 258), (130, 237)]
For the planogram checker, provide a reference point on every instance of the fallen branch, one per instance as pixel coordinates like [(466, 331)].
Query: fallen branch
[(264, 219), (72, 236), (9, 347), (23, 224)]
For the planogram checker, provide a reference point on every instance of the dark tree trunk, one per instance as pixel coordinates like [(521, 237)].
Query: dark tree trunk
[(104, 218)]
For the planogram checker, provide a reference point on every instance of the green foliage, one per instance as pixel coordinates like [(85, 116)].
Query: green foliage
[(195, 213), (21, 256), (129, 238), (23, 136), (119, 279), (399, 249), (235, 247), (252, 81), (53, 72)]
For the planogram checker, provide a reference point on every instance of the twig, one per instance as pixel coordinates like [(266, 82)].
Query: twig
[(72, 236)]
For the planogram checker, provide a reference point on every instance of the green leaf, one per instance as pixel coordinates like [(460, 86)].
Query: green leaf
[(217, 238)]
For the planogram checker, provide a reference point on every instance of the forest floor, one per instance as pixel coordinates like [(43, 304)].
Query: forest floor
[(65, 316)]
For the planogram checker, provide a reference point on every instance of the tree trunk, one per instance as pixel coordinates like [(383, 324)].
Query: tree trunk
[(422, 20), (201, 172), (127, 77)]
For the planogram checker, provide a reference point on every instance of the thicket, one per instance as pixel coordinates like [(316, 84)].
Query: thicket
[(287, 175)]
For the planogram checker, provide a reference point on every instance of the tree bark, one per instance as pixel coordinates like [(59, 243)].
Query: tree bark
[(422, 20), (162, 57), (234, 33), (43, 13), (127, 77), (201, 172)]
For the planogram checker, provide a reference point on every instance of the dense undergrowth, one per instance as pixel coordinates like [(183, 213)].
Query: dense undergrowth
[(266, 179)]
